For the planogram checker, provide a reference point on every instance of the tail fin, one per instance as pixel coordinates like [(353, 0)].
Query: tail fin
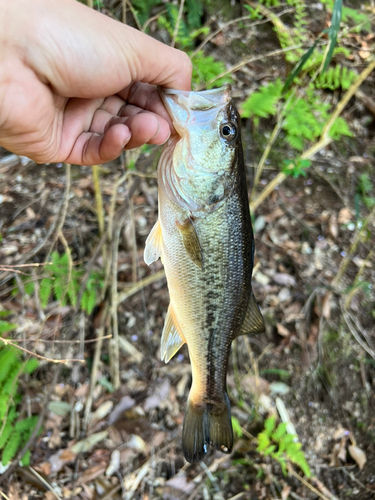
[(204, 427)]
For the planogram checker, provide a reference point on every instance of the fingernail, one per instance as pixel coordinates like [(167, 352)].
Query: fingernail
[(127, 139), (157, 132)]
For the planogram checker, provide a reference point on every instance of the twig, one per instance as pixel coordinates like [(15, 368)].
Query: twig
[(131, 8), (95, 365), (246, 61), (63, 341), (213, 480), (139, 285), (153, 18), (324, 140), (50, 360), (124, 11), (306, 483), (178, 21), (353, 330), (44, 482), (114, 342)]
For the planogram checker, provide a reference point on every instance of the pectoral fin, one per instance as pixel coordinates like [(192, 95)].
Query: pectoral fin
[(253, 322), (153, 245), (191, 241), (171, 339)]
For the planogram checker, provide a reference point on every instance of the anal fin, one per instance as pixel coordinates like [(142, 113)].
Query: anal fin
[(171, 339), (253, 322), (153, 245), (191, 241)]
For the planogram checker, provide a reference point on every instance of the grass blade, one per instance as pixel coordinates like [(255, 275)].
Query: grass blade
[(332, 32), (298, 68)]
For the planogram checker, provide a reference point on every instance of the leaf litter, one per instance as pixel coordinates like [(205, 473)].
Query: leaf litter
[(130, 445)]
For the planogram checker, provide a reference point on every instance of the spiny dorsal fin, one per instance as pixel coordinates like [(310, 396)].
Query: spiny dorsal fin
[(153, 245), (171, 339), (191, 241), (253, 322)]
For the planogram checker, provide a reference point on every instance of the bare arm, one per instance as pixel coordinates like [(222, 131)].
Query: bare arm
[(79, 87)]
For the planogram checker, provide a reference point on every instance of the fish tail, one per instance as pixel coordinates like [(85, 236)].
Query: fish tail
[(204, 426)]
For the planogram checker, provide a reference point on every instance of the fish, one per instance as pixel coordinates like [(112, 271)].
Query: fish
[(204, 238)]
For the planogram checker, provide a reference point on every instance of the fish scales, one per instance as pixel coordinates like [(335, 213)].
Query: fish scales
[(205, 239)]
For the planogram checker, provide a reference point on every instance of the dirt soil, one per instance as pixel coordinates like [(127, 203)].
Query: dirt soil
[(317, 355)]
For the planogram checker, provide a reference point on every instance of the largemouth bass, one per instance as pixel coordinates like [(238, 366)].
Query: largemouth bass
[(205, 240)]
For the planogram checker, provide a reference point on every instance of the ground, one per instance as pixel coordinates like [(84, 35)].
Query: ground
[(314, 270)]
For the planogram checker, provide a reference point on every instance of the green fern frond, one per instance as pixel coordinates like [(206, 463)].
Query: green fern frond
[(263, 103), (336, 77), (11, 448)]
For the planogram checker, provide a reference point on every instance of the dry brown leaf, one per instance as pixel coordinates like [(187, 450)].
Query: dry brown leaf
[(284, 279), (255, 385), (180, 483), (282, 330), (345, 216), (92, 473), (358, 456)]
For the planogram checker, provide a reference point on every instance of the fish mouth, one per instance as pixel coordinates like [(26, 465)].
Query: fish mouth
[(198, 108)]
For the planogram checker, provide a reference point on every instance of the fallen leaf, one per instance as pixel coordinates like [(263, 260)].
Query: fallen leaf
[(89, 442), (282, 330), (124, 405), (284, 279), (279, 388), (102, 411), (180, 483), (59, 408), (114, 464), (344, 216), (358, 456)]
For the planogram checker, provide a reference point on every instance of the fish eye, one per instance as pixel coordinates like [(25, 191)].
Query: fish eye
[(228, 131)]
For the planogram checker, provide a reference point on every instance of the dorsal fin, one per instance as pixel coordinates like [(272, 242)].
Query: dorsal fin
[(253, 322), (153, 245), (191, 241), (171, 339)]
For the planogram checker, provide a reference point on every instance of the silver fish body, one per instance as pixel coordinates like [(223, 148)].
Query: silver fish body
[(205, 239)]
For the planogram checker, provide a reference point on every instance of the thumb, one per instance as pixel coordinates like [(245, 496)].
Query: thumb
[(82, 53)]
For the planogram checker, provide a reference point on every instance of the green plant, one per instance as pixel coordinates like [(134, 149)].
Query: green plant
[(365, 192), (63, 283), (296, 167), (14, 430), (283, 447), (358, 18)]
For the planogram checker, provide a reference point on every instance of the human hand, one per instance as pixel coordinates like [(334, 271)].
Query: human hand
[(79, 87)]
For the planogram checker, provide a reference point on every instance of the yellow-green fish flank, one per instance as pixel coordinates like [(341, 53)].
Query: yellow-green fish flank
[(205, 240)]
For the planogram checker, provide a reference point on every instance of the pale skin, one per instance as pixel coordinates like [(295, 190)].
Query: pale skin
[(79, 87)]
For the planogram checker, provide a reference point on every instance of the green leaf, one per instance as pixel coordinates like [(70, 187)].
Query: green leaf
[(45, 290), (237, 427), (263, 441), (25, 460), (11, 448), (298, 68), (263, 103), (333, 32), (270, 425), (6, 327), (280, 431), (31, 365)]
